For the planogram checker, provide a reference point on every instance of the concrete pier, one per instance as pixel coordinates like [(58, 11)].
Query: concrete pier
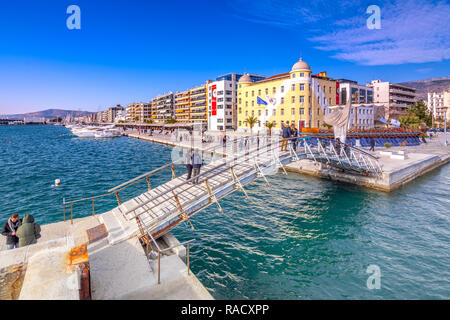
[(118, 270), (400, 165)]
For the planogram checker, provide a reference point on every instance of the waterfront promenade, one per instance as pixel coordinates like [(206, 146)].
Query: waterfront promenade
[(400, 165)]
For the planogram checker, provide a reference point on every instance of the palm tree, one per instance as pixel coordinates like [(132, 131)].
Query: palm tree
[(251, 121), (171, 120), (269, 125)]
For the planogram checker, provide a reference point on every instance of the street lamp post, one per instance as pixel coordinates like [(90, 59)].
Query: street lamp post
[(445, 126)]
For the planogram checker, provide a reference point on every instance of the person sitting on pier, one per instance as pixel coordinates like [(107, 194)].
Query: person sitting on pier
[(196, 164), (28, 232), (9, 231)]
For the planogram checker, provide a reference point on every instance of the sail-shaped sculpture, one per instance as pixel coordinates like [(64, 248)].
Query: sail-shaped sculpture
[(339, 120)]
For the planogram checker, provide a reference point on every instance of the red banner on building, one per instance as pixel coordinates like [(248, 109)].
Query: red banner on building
[(337, 93), (214, 100)]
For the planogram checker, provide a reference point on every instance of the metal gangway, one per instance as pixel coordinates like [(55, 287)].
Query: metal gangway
[(228, 168)]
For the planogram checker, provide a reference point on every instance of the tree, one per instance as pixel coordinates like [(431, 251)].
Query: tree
[(251, 121), (420, 110), (269, 125), (410, 120), (149, 121), (171, 120), (326, 125)]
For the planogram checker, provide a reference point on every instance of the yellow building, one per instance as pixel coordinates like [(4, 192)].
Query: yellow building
[(190, 105), (294, 97)]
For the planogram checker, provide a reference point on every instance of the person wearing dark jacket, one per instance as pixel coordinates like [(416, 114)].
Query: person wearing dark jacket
[(9, 231), (28, 232), (196, 164), (286, 133), (294, 134), (372, 144)]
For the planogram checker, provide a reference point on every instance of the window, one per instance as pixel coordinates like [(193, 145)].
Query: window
[(246, 113), (274, 113), (259, 92), (301, 99), (282, 112), (302, 74), (220, 92), (253, 93), (293, 111), (302, 86), (293, 75), (293, 87), (219, 99), (274, 90), (240, 123), (267, 91), (302, 110), (229, 106), (259, 113), (253, 113), (229, 120), (293, 99), (282, 89), (246, 94), (282, 100), (229, 92), (240, 110), (253, 103), (246, 103), (267, 112), (240, 101)]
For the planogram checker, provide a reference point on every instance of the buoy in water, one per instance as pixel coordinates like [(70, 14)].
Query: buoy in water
[(57, 182)]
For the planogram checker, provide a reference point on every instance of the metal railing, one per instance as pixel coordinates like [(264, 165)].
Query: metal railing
[(160, 251), (213, 150), (351, 158)]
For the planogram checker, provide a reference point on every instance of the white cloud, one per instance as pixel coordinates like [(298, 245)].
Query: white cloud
[(411, 31)]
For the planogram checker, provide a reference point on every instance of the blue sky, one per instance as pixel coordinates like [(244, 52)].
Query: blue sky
[(132, 50)]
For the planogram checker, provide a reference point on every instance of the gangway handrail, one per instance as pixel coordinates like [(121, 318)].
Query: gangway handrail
[(135, 180)]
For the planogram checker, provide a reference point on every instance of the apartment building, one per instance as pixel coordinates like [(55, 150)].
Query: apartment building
[(222, 101), (438, 102), (139, 112), (396, 97), (113, 112), (163, 107), (191, 105), (297, 97)]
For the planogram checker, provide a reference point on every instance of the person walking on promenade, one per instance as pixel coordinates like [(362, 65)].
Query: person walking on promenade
[(188, 162), (9, 231), (196, 164), (372, 144), (28, 232), (285, 134)]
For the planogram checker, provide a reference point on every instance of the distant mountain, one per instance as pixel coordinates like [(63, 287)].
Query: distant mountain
[(428, 85), (49, 114)]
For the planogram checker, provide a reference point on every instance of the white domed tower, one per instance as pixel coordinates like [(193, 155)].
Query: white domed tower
[(300, 69), (244, 81)]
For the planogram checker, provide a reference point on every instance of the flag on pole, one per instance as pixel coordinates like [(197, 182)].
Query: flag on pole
[(260, 101)]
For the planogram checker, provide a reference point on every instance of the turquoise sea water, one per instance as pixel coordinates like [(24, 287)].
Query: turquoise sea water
[(303, 238)]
